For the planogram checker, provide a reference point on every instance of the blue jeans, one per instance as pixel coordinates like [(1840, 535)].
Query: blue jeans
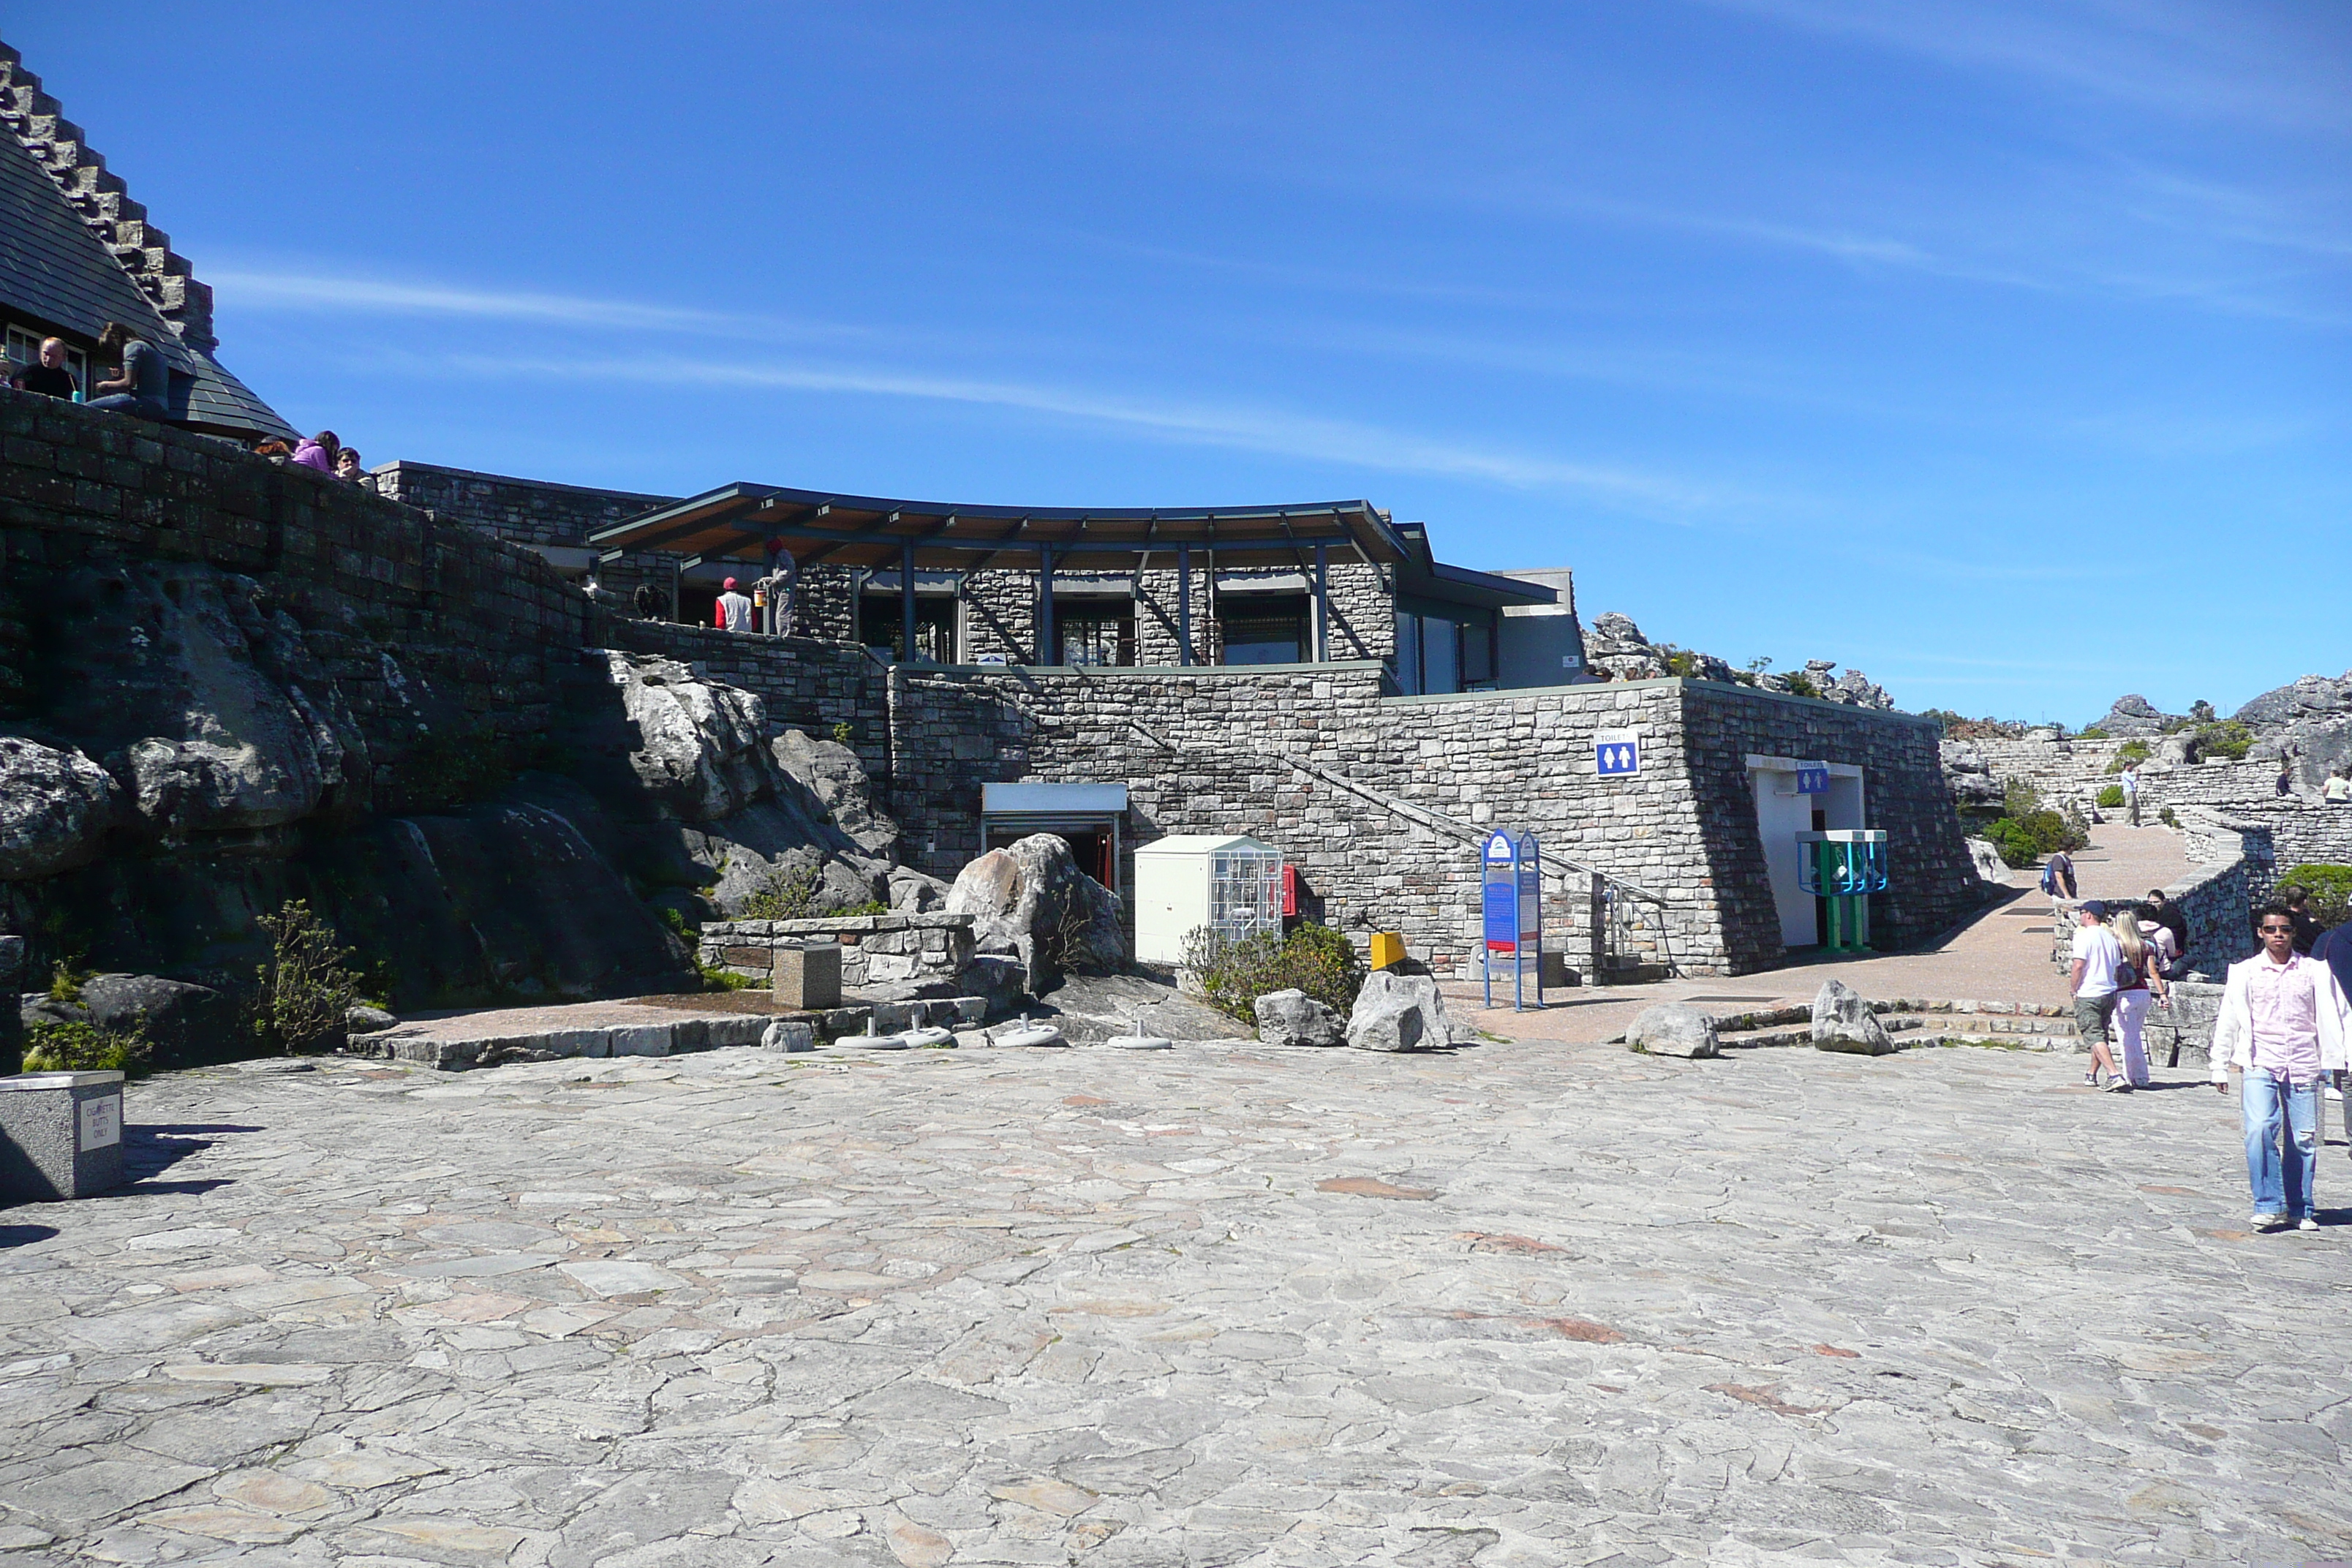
[(2280, 1169), (124, 403)]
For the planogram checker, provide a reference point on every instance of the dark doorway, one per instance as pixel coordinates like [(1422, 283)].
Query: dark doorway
[(1262, 628), (1098, 636), (935, 625)]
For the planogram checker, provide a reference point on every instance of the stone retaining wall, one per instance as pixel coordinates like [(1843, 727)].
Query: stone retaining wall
[(806, 685), (2271, 838), (875, 949)]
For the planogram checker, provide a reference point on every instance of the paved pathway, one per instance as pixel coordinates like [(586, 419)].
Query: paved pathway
[(2002, 956), (1520, 1304)]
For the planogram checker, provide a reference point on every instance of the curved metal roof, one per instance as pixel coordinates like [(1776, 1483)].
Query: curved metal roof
[(738, 521)]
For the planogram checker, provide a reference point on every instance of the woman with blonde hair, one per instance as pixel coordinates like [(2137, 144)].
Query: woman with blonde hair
[(2141, 969)]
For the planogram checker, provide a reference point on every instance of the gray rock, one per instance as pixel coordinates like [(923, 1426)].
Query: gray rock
[(1990, 866), (786, 1036), (1397, 1012), (1843, 1021), (2177, 751), (187, 1023), (1091, 1008), (366, 1020), (55, 809), (2136, 717), (833, 773), (1294, 1018), (1671, 1029), (1031, 900), (699, 746)]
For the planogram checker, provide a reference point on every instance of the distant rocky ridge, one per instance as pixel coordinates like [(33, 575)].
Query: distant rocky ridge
[(2308, 720), (1614, 646)]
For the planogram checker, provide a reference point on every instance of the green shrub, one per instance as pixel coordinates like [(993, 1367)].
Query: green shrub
[(718, 977), (785, 896), (1232, 976), (85, 1047), (2031, 837), (842, 732), (2111, 798), (308, 985), (1800, 684), (2228, 739), (2167, 819), (2127, 753), (1682, 663), (2330, 887), (66, 983), (2091, 733)]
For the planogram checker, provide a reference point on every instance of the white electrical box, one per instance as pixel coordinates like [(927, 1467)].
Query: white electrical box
[(1185, 881)]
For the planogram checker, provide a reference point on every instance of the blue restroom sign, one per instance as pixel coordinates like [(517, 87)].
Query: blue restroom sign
[(1813, 778), (1616, 753)]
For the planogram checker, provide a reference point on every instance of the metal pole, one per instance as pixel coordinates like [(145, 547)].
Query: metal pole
[(1322, 604), (1184, 604), (1044, 604), (907, 603), (1600, 928)]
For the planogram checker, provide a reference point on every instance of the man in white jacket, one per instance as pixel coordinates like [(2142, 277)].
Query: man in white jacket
[(2283, 1023)]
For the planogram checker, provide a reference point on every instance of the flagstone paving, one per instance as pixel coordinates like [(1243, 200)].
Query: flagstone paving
[(1532, 1303)]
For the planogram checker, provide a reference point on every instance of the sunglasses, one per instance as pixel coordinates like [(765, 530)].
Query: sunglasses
[(2278, 930)]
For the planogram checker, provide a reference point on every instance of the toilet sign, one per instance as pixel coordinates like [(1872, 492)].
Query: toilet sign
[(1813, 778), (1616, 753)]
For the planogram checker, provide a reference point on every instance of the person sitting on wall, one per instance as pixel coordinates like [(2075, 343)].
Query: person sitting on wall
[(145, 387), (734, 611), (2163, 912), (347, 466), (648, 602), (319, 452), (48, 374)]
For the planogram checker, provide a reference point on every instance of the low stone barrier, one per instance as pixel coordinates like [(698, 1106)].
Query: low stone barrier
[(875, 949)]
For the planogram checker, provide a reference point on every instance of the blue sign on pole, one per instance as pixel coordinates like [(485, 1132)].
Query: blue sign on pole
[(1616, 753), (1510, 875), (1813, 778)]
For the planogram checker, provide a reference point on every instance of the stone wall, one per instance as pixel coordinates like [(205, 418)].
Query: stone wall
[(2272, 836), (487, 632), (523, 512), (875, 949), (1379, 801)]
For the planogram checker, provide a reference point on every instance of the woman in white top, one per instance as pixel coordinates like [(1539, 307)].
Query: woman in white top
[(2134, 978)]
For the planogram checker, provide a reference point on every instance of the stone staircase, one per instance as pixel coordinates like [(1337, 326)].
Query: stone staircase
[(2175, 1036)]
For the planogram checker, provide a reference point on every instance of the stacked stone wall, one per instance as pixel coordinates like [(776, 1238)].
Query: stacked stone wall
[(1379, 801), (486, 632), (2271, 838)]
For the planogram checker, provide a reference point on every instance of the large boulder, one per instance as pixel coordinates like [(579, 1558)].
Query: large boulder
[(1294, 1018), (1986, 858), (1615, 646), (833, 773), (2134, 717), (1671, 1029), (188, 1023), (1399, 1012), (1843, 1021), (701, 747), (55, 807), (1031, 900)]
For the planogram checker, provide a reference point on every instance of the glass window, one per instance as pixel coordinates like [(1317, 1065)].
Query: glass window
[(1100, 638), (1263, 629), (1440, 647), (935, 626), (24, 348), (1408, 663)]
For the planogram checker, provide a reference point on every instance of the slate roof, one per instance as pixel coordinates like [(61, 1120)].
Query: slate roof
[(57, 272)]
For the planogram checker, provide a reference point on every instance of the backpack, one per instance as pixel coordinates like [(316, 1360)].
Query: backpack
[(2049, 877)]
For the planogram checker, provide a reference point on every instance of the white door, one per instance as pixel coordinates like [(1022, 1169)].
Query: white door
[(1780, 815)]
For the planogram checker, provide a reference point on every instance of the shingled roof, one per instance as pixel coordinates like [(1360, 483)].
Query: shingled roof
[(76, 253)]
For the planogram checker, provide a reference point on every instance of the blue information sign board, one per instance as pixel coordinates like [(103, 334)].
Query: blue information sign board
[(1510, 875)]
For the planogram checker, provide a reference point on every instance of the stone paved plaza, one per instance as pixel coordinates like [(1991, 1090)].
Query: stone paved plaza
[(1532, 1303)]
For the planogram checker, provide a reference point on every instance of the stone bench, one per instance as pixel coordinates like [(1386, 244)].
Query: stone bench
[(60, 1135)]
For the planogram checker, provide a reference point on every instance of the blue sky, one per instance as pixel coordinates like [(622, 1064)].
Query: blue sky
[(2000, 350)]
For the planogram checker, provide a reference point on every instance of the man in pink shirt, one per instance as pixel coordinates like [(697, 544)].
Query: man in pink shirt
[(2284, 1021)]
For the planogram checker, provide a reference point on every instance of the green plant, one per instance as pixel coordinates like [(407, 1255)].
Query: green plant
[(2091, 733), (2228, 739), (66, 983), (2127, 753), (671, 918), (2111, 798), (784, 896), (1233, 974), (870, 907), (842, 732), (1682, 663), (2167, 819), (718, 977), (86, 1047), (2330, 887), (1800, 684), (2024, 838), (307, 987)]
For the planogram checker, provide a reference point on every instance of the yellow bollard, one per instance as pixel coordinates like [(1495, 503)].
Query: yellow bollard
[(1387, 948)]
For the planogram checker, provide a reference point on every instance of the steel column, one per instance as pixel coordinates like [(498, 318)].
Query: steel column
[(1044, 604), (907, 603), (1322, 604), (1184, 604)]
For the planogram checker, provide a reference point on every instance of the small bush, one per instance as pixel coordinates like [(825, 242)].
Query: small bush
[(66, 983), (785, 896), (842, 732), (2228, 739), (718, 977), (2091, 733), (1800, 684), (2033, 836), (85, 1047), (1682, 663), (2167, 819), (308, 985), (2330, 887), (2127, 753), (2111, 798), (1315, 958)]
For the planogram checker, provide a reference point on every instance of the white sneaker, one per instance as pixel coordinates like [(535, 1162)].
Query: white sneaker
[(2265, 1221), (2306, 1222)]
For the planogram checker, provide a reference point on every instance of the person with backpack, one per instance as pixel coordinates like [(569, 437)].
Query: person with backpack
[(2058, 880), (2097, 963)]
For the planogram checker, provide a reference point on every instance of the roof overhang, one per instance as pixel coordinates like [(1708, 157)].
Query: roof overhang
[(741, 521), (1461, 585)]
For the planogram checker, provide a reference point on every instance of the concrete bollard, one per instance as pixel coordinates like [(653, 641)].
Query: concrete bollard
[(60, 1135), (808, 979)]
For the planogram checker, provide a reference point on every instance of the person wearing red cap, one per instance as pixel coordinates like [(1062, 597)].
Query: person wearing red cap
[(733, 613)]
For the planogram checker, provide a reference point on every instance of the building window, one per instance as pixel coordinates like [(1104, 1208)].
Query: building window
[(935, 626), (1100, 637), (1437, 655), (24, 348), (1262, 628)]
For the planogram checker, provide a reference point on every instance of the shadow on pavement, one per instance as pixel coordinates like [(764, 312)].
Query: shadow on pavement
[(149, 1150), (25, 1235)]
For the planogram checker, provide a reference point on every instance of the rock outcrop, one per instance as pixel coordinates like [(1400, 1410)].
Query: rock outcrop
[(1672, 1030), (2309, 720), (1843, 1021), (2134, 718), (1397, 1012), (1030, 900), (1615, 647)]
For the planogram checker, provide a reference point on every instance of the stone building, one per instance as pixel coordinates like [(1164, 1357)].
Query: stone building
[(76, 252)]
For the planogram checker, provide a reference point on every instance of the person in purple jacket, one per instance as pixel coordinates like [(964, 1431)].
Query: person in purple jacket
[(319, 452)]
